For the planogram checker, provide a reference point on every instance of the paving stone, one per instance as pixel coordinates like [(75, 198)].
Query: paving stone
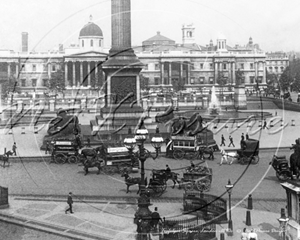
[(31, 212), (64, 219)]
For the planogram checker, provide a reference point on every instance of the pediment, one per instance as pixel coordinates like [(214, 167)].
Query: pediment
[(87, 54)]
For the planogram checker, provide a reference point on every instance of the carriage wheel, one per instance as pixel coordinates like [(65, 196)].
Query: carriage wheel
[(191, 155), (164, 186), (283, 176), (157, 191), (255, 160), (207, 154), (203, 185), (60, 158), (72, 159), (188, 186), (178, 154)]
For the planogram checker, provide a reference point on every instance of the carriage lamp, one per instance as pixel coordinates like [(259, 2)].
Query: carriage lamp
[(156, 142), (283, 220), (141, 135), (129, 143), (229, 188)]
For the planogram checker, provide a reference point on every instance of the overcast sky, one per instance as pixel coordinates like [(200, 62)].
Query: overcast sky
[(273, 24)]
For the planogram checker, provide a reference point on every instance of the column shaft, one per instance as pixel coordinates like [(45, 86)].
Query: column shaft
[(162, 72), (233, 72), (89, 73), (74, 74), (49, 70), (8, 69), (170, 73), (81, 74), (66, 74)]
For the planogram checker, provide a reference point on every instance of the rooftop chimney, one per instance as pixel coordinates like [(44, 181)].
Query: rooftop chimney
[(24, 42)]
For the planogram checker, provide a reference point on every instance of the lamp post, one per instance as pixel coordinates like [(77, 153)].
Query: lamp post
[(229, 187), (143, 214), (283, 220)]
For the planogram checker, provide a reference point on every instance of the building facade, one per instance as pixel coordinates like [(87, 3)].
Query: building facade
[(164, 61)]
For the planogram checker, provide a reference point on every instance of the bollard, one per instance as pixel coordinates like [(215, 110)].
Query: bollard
[(259, 123), (293, 122), (281, 124), (271, 123), (250, 203), (10, 131), (35, 130), (23, 130), (222, 236), (248, 218)]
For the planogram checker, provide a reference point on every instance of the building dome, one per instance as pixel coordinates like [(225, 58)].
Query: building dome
[(91, 29)]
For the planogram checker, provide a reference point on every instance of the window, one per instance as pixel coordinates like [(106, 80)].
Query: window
[(156, 66), (252, 79), (23, 82), (243, 80), (45, 82), (192, 80), (23, 68), (270, 69), (201, 80), (99, 43), (53, 67), (92, 43), (224, 66), (82, 43), (33, 67), (44, 67), (211, 80), (251, 65), (242, 65), (156, 81), (34, 82), (192, 66), (282, 69), (210, 66), (276, 69), (201, 65), (146, 67)]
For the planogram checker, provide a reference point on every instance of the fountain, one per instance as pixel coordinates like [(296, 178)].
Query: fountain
[(214, 105)]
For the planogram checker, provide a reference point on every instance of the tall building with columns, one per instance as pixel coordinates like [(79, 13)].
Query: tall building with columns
[(163, 61)]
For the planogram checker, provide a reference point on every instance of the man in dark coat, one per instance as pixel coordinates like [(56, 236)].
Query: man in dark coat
[(222, 141), (70, 202), (155, 218), (14, 148)]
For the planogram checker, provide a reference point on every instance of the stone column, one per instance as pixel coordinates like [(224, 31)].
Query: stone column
[(138, 86), (17, 69), (66, 74), (96, 74), (233, 73), (81, 73), (49, 70), (216, 71), (188, 74), (229, 72), (8, 69), (74, 74), (108, 82), (162, 74), (89, 73), (256, 69), (170, 73), (264, 72), (181, 70)]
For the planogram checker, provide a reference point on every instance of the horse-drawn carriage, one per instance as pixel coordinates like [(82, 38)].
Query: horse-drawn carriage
[(249, 152), (281, 166), (110, 158), (199, 178), (64, 150), (189, 147)]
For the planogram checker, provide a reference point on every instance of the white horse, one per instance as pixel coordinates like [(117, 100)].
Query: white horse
[(227, 157)]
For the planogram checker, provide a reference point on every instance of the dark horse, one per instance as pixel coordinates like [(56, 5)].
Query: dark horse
[(129, 181), (295, 165), (5, 157), (168, 176), (206, 150), (90, 159)]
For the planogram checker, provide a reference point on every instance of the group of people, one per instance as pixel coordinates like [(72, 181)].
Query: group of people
[(231, 143), (252, 235)]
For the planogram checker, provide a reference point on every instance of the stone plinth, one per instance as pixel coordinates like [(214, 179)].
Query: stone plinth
[(240, 100)]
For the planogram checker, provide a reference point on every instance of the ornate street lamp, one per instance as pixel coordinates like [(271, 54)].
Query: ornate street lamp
[(229, 187), (283, 220)]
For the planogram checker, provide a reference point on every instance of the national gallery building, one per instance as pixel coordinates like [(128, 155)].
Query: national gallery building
[(164, 61)]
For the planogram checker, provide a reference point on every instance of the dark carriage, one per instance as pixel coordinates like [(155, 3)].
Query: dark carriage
[(65, 150), (157, 183), (249, 152), (281, 166)]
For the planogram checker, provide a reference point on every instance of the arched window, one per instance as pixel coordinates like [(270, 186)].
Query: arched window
[(82, 43), (222, 45), (100, 43), (92, 43), (219, 45)]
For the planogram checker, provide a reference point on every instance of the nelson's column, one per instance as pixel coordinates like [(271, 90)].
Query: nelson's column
[(122, 70)]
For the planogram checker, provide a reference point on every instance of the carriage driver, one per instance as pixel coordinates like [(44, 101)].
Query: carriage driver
[(168, 170)]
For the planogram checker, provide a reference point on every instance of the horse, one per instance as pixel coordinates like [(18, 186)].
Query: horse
[(169, 176), (129, 181), (5, 157), (295, 165), (89, 158), (228, 157), (206, 150)]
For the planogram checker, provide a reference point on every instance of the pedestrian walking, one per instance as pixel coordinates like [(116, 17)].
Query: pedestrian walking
[(231, 141), (70, 203), (265, 124), (247, 136), (252, 235), (47, 147), (222, 140), (242, 143), (244, 235), (14, 148), (88, 142)]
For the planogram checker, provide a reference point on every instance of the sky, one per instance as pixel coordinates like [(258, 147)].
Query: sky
[(273, 24)]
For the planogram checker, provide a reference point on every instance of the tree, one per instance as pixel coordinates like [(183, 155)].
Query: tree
[(11, 85), (221, 80), (239, 75), (296, 82), (57, 82), (285, 80), (178, 84)]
